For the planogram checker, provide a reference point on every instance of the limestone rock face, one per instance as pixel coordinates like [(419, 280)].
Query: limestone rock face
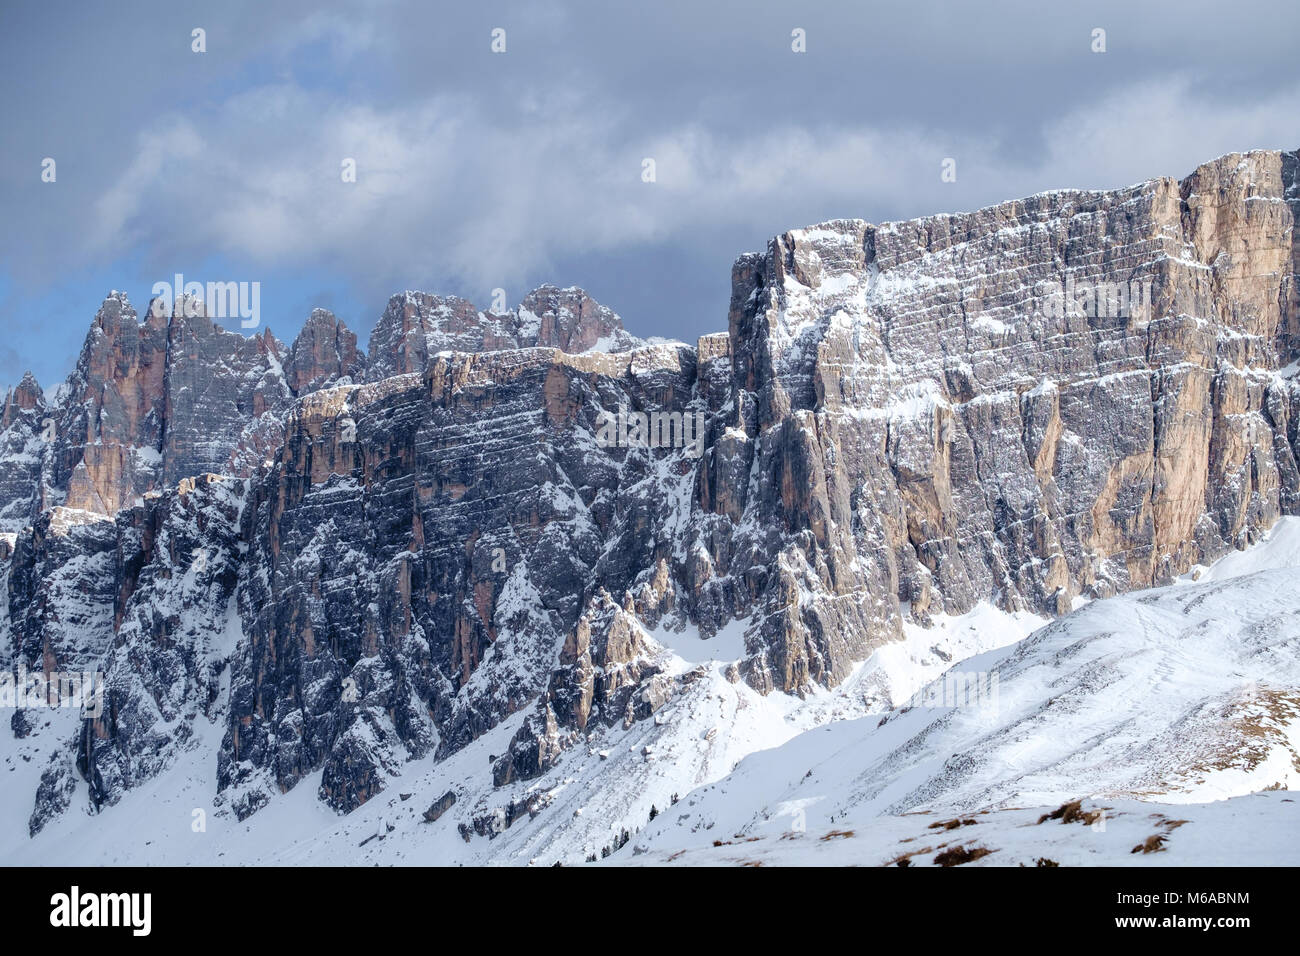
[(61, 584), (154, 401), (1289, 333), (165, 573), (919, 416), (23, 398), (151, 402), (217, 382), (607, 671), (413, 575), (1065, 396), (417, 326), (930, 427), (571, 321), (109, 435), (324, 353)]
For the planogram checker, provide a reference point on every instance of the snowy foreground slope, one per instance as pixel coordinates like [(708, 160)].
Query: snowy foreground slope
[(1164, 713), (586, 802), (1151, 708), (1256, 830)]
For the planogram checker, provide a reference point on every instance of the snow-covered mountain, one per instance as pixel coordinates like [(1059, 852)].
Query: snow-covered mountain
[(513, 582)]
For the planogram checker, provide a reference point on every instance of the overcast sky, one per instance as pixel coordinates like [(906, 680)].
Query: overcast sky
[(478, 170)]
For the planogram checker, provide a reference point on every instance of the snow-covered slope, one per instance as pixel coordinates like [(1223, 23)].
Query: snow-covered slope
[(580, 808), (1178, 696), (1256, 830), (1144, 706)]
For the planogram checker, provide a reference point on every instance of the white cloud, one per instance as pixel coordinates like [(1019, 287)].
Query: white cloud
[(448, 191)]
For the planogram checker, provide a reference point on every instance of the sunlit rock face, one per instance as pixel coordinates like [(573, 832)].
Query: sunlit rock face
[(940, 428)]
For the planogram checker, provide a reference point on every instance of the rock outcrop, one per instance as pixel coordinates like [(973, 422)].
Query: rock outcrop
[(417, 326), (157, 400), (324, 353), (168, 576), (428, 541)]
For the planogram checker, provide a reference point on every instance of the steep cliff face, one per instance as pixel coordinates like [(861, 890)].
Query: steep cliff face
[(420, 549), (23, 423), (1071, 395), (109, 434), (932, 424), (154, 401), (1067, 396), (61, 584), (1289, 332), (571, 321), (325, 352), (167, 623)]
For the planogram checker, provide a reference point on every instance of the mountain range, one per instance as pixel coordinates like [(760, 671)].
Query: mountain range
[(413, 605)]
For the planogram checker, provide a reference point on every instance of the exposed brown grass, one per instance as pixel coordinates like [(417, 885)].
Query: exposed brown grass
[(952, 824), (961, 854), (1072, 812), (1152, 844), (905, 859)]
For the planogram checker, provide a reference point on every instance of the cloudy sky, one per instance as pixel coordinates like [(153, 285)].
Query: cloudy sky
[(478, 170)]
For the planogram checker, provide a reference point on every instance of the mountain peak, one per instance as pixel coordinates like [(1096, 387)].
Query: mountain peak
[(324, 352), (571, 320), (416, 325), (23, 397)]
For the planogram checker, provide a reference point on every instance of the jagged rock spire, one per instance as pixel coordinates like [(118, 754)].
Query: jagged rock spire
[(417, 325), (324, 352)]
